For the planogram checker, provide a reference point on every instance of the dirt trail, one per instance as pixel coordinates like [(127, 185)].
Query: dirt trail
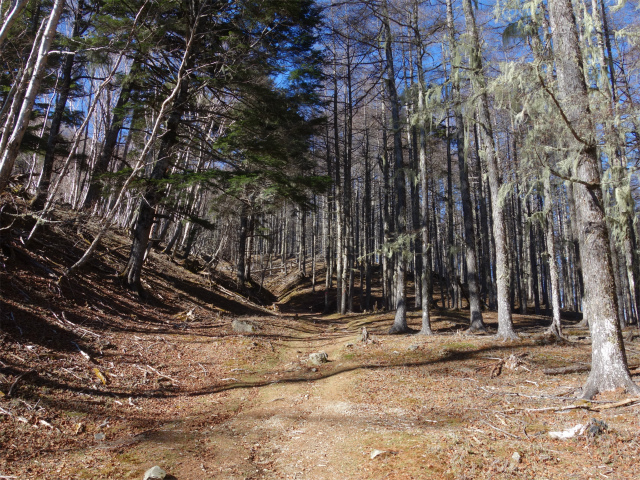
[(427, 406)]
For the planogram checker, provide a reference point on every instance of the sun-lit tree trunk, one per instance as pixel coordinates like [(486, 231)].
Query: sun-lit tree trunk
[(64, 88), (609, 368), (11, 147), (12, 15), (505, 321)]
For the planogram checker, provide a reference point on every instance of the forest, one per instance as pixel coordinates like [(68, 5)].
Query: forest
[(380, 168)]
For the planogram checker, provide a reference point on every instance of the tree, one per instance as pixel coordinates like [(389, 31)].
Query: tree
[(259, 41), (609, 368), (63, 91), (476, 322), (505, 321), (11, 142), (400, 320)]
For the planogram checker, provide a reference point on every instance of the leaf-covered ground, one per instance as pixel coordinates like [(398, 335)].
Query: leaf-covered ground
[(97, 383)]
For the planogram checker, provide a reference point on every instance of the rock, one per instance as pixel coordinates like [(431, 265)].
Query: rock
[(377, 453), (155, 473), (318, 358), (99, 436), (381, 453), (349, 345), (413, 348), (569, 433), (516, 457), (242, 327), (596, 427)]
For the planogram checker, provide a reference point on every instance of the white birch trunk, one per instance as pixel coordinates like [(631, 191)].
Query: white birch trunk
[(10, 152)]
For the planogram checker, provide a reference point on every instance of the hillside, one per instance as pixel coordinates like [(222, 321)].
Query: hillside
[(96, 382)]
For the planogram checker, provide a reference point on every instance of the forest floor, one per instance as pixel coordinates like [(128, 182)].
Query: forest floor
[(96, 383)]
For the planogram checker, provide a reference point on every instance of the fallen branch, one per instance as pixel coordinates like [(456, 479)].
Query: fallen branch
[(565, 370), (622, 403), (576, 369), (588, 406)]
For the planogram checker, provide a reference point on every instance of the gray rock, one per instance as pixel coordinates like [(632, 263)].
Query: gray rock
[(516, 457), (99, 436), (596, 427), (318, 358), (242, 327), (155, 473), (413, 348)]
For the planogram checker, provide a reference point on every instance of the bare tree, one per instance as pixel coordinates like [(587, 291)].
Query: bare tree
[(609, 368)]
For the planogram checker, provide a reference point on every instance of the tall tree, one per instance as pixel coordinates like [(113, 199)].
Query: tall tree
[(609, 368), (505, 321), (476, 322), (35, 72), (400, 320)]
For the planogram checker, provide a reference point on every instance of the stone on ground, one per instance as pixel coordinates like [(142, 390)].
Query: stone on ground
[(242, 327), (155, 473), (318, 358)]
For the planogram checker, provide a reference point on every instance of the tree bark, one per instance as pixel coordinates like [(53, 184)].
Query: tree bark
[(609, 368), (44, 181), (12, 147), (505, 321), (400, 320), (153, 193)]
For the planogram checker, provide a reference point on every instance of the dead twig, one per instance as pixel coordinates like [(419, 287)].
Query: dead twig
[(82, 329), (15, 382), (153, 370), (501, 431), (82, 352)]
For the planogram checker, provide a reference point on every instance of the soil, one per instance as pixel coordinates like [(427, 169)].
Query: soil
[(98, 383)]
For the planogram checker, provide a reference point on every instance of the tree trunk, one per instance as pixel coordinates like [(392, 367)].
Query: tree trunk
[(153, 193), (424, 232), (12, 147), (556, 327), (476, 322), (10, 18), (609, 368), (42, 188), (400, 320), (111, 137), (505, 321)]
